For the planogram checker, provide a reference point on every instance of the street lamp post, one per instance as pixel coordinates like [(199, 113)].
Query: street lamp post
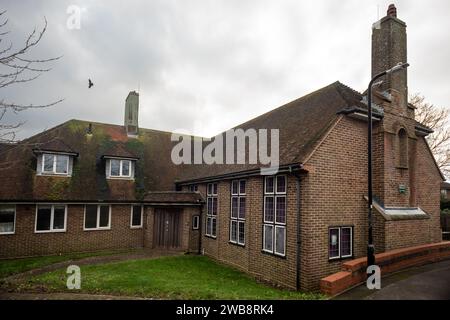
[(370, 246)]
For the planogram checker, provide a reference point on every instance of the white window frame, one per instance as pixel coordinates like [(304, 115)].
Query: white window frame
[(142, 217), (121, 161), (52, 217), (340, 256), (98, 218), (237, 219), (53, 172), (211, 195), (275, 194), (15, 214), (195, 222)]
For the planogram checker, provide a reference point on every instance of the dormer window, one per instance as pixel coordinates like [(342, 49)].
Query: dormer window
[(55, 164), (120, 168), (54, 158)]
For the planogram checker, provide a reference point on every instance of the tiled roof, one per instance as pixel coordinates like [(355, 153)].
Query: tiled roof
[(174, 197), (301, 125)]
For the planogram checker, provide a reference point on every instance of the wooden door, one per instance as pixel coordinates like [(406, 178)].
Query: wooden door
[(167, 228)]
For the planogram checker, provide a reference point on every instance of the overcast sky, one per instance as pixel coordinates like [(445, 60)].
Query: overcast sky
[(204, 66)]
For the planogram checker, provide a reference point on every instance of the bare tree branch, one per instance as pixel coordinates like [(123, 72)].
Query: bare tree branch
[(436, 119), (19, 68)]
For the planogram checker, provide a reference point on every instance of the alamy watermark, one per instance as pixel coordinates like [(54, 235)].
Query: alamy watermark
[(74, 278), (230, 148), (74, 19), (374, 278)]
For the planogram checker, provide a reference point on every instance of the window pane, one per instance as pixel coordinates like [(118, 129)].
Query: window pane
[(209, 188), (233, 235), (7, 218), (209, 205), (62, 164), (125, 168), (281, 209), (333, 243), (90, 219), (268, 209), (281, 184), (208, 226), (214, 206), (48, 162), (242, 187), (234, 207), (104, 216), (268, 237), (195, 222), (241, 232), (280, 240), (242, 208), (59, 217), (346, 242), (115, 167), (234, 187), (213, 230), (136, 220), (43, 218), (214, 188), (269, 184)]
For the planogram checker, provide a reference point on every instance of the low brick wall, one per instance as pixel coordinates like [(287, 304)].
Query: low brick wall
[(354, 272)]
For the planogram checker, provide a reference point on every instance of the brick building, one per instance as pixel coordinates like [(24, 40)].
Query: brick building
[(87, 186)]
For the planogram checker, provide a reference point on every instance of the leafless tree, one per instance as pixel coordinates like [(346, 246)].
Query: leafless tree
[(16, 67), (437, 119)]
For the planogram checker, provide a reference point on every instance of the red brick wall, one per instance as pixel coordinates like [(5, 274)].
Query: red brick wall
[(25, 242), (332, 195), (250, 258)]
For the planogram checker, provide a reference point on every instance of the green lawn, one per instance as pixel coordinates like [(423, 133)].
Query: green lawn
[(13, 266), (181, 277)]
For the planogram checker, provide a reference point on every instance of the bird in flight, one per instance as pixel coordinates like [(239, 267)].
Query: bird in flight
[(90, 83)]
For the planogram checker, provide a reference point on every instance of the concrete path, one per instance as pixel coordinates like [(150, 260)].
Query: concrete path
[(429, 282)]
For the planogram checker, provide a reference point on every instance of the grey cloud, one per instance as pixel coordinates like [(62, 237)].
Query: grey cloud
[(205, 66)]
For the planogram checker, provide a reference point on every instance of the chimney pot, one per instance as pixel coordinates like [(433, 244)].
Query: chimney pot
[(392, 11)]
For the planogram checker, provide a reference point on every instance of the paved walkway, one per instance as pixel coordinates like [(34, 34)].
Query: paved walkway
[(429, 282)]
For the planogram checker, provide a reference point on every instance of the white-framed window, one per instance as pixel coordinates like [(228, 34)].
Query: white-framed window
[(193, 188), (340, 242), (211, 210), (274, 224), (136, 216), (196, 222), (50, 218), (238, 209), (7, 219), (119, 168), (97, 217), (55, 164)]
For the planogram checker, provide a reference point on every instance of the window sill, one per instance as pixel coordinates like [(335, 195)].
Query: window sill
[(341, 258), (120, 178), (49, 174), (7, 233), (237, 244), (211, 237), (97, 229), (277, 255), (49, 231), (136, 227)]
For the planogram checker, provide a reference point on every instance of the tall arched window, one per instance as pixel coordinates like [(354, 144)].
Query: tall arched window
[(402, 148)]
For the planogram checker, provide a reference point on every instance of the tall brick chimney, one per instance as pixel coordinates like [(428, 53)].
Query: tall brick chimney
[(132, 113), (388, 49)]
